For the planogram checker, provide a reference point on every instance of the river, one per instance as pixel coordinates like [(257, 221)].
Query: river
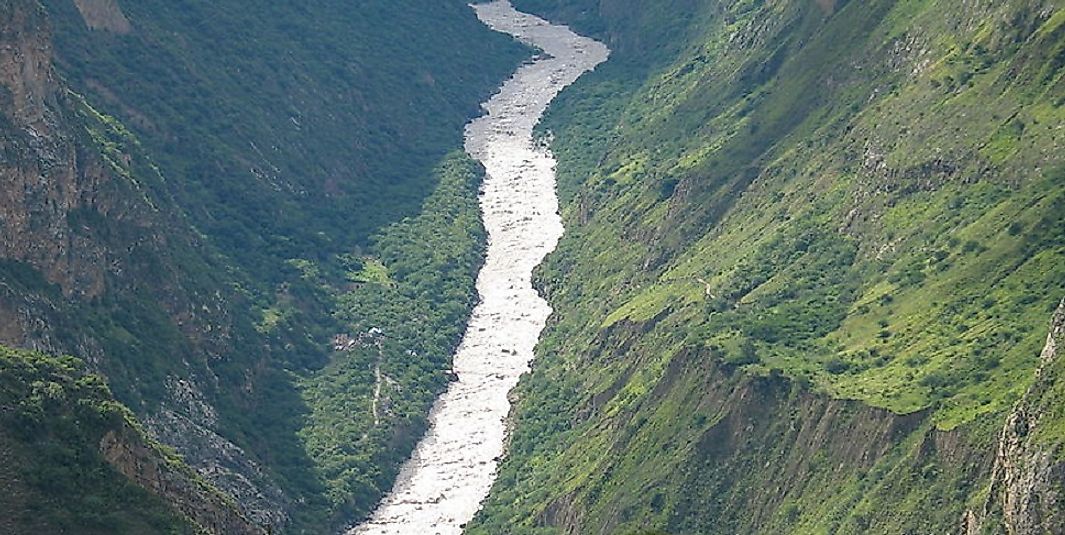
[(451, 471)]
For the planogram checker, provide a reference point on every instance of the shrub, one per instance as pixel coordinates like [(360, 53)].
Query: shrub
[(837, 366)]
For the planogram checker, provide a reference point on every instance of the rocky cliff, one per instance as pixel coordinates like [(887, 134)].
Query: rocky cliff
[(104, 15), (1029, 474), (43, 179), (126, 450), (83, 212), (88, 232)]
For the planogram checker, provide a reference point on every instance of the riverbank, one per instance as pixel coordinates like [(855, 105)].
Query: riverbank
[(451, 471)]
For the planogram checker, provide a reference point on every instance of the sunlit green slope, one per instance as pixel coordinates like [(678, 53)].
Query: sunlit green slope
[(812, 250)]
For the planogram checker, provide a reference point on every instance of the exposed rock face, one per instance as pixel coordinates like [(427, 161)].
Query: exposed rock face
[(43, 181), (105, 15), (25, 63), (83, 220), (207, 508), (188, 421), (1029, 477)]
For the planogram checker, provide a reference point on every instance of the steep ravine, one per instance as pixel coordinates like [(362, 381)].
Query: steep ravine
[(441, 488)]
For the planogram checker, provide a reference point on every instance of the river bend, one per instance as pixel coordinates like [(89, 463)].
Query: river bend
[(451, 471)]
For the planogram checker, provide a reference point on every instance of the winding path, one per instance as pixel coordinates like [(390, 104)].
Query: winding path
[(441, 487)]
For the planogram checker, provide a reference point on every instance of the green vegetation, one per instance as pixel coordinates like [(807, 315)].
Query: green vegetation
[(249, 184), (405, 313), (811, 249), (413, 284), (52, 476), (290, 131), (857, 199), (1044, 399)]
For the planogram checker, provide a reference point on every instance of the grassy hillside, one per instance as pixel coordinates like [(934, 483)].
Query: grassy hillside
[(863, 200)]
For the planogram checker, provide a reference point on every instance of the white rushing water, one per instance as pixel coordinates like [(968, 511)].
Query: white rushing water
[(441, 487)]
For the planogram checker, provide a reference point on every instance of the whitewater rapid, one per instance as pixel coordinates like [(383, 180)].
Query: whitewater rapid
[(441, 487)]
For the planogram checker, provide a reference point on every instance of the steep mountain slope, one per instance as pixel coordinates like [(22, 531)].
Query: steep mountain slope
[(90, 264), (295, 131), (231, 214), (811, 252)]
